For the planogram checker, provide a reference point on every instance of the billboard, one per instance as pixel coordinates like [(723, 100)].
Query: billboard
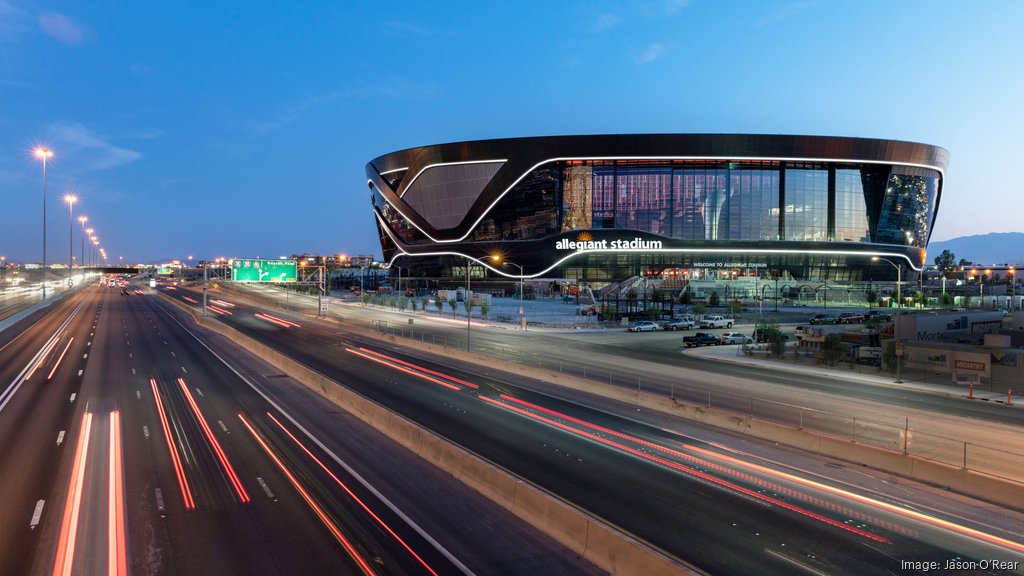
[(264, 271)]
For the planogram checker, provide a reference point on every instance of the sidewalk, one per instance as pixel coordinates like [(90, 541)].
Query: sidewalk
[(732, 354)]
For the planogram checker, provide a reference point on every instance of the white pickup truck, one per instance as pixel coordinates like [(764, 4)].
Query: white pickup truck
[(716, 322)]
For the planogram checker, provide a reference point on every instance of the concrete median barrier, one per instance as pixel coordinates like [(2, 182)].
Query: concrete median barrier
[(604, 545)]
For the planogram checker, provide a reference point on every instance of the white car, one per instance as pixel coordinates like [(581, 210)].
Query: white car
[(643, 326), (716, 322), (735, 338)]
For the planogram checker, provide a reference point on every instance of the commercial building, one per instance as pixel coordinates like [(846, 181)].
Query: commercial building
[(602, 209)]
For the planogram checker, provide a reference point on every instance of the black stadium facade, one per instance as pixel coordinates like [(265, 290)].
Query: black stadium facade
[(605, 208)]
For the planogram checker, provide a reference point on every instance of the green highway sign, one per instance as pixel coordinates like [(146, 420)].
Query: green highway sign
[(165, 271), (264, 271)]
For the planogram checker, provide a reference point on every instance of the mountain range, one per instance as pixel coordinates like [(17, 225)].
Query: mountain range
[(992, 248)]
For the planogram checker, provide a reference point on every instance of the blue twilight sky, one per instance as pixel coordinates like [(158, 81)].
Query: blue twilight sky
[(242, 128)]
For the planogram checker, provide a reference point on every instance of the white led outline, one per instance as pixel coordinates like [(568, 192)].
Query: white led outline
[(645, 251), (429, 166), (393, 171), (740, 158)]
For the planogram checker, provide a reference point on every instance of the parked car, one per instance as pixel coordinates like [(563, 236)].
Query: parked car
[(684, 323), (879, 315), (700, 339), (643, 326), (762, 335), (851, 318), (822, 319), (716, 322), (735, 338)]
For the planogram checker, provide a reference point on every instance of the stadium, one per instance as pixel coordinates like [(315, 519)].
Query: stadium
[(605, 209)]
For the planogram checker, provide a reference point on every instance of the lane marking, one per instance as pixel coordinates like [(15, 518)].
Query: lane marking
[(183, 370), (72, 508), (84, 356), (73, 396), (60, 437), (159, 499), (133, 371), (37, 515), (145, 431), (138, 395), (222, 426), (200, 392), (265, 487), (80, 372)]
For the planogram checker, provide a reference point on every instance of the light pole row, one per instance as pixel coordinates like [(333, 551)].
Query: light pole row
[(45, 154)]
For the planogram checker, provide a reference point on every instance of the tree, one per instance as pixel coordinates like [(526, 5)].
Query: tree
[(735, 308), (946, 263), (403, 303), (686, 298), (653, 313), (700, 308), (889, 356), (423, 303), (412, 304), (777, 343), (468, 305), (946, 299), (438, 303), (967, 300), (872, 297), (366, 299), (713, 300), (832, 349), (918, 298), (393, 302), (485, 308), (453, 304)]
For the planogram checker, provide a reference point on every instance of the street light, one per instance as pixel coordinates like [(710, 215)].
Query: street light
[(88, 232), (70, 199), (44, 154), (497, 258), (81, 255), (899, 308), (1011, 272)]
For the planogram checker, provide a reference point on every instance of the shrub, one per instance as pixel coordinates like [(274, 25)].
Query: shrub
[(714, 300), (832, 349)]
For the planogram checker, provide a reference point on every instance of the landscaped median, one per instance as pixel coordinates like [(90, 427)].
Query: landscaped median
[(604, 545)]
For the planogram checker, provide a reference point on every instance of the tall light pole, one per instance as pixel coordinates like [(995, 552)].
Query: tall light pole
[(497, 258), (899, 308), (70, 199), (467, 303), (44, 154), (1011, 272), (88, 232), (81, 255)]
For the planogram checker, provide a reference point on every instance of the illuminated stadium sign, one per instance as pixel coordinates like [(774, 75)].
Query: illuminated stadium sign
[(585, 242)]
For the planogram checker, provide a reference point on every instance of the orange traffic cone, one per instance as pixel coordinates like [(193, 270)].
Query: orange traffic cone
[(1009, 397), (970, 393)]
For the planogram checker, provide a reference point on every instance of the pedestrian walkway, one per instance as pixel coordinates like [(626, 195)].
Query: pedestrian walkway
[(733, 354)]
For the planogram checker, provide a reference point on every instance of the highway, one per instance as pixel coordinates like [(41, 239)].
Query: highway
[(724, 511), (130, 447)]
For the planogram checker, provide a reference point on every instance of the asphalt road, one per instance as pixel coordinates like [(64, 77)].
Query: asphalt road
[(152, 455), (719, 512)]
